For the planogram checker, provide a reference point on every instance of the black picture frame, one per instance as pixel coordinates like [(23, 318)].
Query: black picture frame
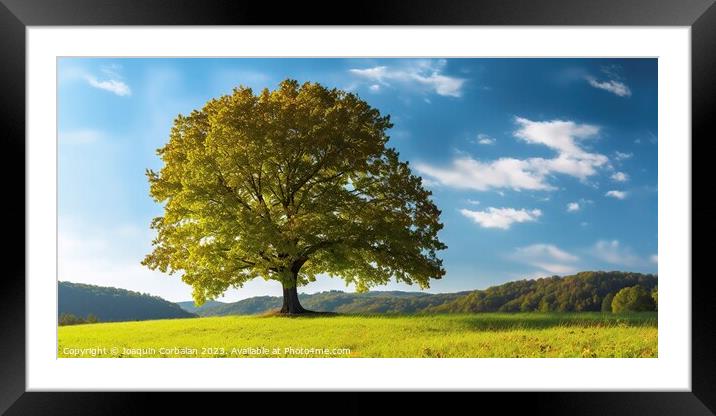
[(16, 15)]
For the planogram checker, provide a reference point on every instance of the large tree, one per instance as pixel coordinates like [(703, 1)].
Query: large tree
[(286, 185)]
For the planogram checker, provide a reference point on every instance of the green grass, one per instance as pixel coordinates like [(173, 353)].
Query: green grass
[(477, 335)]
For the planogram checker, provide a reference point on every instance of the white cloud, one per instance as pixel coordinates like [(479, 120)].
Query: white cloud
[(112, 85), (468, 173), (573, 207), (654, 259), (622, 156), (424, 74), (616, 194), (546, 257), (473, 202), (377, 73), (620, 177), (83, 136), (501, 218), (528, 174), (374, 88), (559, 135), (615, 87), (564, 138), (485, 139), (112, 79), (613, 252)]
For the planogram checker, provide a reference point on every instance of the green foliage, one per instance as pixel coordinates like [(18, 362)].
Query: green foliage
[(633, 299), (472, 335), (581, 292), (286, 185), (106, 304), (655, 296), (607, 302)]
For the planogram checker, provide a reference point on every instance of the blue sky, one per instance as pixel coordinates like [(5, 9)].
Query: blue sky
[(540, 166)]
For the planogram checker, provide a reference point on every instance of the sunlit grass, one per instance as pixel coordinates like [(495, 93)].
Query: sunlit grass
[(477, 335)]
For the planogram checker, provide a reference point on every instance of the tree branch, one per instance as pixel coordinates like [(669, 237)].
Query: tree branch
[(307, 251)]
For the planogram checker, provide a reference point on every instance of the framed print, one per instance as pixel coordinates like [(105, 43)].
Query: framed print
[(392, 200)]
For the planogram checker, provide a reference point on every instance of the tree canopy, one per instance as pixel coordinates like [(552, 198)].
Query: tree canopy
[(633, 299), (607, 302), (286, 185)]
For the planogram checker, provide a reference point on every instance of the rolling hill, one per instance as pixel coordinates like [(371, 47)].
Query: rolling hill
[(190, 307), (583, 291), (337, 301), (112, 304)]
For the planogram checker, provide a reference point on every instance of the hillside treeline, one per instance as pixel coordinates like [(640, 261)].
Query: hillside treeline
[(106, 304)]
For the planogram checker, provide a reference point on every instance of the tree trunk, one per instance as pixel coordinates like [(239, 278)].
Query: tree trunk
[(291, 305)]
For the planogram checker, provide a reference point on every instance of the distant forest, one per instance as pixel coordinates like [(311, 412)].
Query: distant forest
[(80, 303), (582, 292)]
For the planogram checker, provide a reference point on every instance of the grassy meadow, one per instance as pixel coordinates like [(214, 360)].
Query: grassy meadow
[(580, 335)]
